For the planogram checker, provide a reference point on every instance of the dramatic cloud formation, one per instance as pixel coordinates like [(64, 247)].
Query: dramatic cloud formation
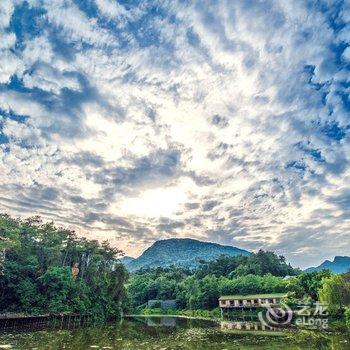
[(225, 121)]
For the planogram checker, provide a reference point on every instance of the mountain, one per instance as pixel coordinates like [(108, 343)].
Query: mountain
[(340, 264), (181, 252), (126, 260)]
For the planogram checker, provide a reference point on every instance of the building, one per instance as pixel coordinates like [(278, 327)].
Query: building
[(163, 304), (249, 301)]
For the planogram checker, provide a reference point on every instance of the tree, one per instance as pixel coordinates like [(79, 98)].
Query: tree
[(295, 288), (260, 263), (312, 281), (209, 292), (189, 295), (335, 292), (56, 285), (38, 270), (347, 316)]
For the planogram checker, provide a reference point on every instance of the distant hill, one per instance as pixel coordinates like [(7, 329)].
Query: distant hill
[(181, 252), (340, 264), (126, 260)]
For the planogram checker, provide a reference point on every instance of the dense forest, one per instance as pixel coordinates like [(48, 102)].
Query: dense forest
[(263, 272), (47, 269)]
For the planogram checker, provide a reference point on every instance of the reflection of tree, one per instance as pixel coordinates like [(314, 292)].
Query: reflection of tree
[(188, 334)]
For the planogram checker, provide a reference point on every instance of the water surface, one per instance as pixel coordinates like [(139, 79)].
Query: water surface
[(168, 333)]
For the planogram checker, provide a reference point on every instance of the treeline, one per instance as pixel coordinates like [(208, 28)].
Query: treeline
[(261, 263), (44, 268), (263, 272)]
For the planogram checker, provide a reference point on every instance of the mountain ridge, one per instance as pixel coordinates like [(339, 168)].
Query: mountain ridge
[(185, 252), (126, 259), (340, 264)]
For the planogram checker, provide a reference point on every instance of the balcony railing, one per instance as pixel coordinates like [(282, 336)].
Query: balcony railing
[(229, 304)]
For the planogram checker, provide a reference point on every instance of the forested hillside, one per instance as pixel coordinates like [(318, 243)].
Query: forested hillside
[(44, 268), (262, 272), (182, 252)]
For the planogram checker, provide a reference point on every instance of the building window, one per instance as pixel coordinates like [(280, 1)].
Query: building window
[(232, 302), (240, 302), (271, 301), (256, 301)]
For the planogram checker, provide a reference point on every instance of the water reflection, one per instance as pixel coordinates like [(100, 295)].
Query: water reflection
[(168, 333), (169, 321), (163, 321), (247, 326)]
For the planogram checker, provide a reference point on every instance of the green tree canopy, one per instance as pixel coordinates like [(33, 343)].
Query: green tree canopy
[(335, 292), (50, 269)]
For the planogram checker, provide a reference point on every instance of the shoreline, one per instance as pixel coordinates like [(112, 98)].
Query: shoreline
[(175, 316)]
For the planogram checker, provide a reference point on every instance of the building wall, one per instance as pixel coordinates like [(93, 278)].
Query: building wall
[(248, 302), (164, 304)]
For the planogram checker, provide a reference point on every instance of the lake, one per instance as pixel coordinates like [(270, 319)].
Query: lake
[(165, 333)]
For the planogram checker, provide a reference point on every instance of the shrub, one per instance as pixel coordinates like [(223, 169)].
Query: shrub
[(347, 316)]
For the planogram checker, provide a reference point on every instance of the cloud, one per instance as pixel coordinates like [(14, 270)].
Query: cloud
[(226, 121), (67, 17)]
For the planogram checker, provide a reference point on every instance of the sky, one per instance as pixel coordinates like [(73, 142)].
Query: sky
[(224, 121)]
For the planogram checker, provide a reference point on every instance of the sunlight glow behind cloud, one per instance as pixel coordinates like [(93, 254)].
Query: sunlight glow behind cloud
[(154, 203)]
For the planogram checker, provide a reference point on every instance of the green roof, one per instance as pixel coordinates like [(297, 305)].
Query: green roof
[(253, 296)]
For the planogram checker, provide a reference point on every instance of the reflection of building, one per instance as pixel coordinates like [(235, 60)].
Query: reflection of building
[(245, 326), (250, 301), (162, 321)]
